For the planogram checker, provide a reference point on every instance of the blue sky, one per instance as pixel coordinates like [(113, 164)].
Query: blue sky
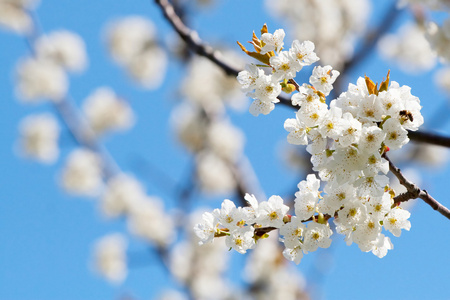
[(47, 235)]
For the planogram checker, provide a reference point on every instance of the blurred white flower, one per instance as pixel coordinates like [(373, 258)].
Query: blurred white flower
[(209, 87), (214, 174), (39, 137), (82, 173), (64, 48), (104, 111), (39, 79), (226, 140), (267, 268), (172, 295), (202, 268), (442, 79), (190, 126), (333, 26), (148, 220), (409, 48), (128, 36), (121, 194), (14, 15), (439, 38), (431, 156), (110, 257), (132, 43), (149, 67)]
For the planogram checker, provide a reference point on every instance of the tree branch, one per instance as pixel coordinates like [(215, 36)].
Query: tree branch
[(192, 39), (413, 191), (429, 138)]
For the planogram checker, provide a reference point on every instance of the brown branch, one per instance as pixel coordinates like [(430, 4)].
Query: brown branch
[(429, 138), (192, 39), (413, 191)]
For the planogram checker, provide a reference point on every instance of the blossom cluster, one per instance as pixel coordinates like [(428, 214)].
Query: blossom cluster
[(265, 88), (347, 140), (44, 76)]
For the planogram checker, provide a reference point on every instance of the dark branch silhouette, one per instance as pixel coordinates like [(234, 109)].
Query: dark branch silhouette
[(414, 192)]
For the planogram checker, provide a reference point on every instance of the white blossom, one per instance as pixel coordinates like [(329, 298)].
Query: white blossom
[(293, 233), (121, 194), (133, 44), (214, 173), (396, 220), (396, 135), (14, 15), (105, 111), (323, 78), (110, 257), (316, 235), (229, 216), (272, 42), (241, 239), (226, 140), (206, 230), (147, 219), (303, 53), (128, 36), (408, 48), (82, 173), (272, 212), (285, 66), (247, 78), (39, 137), (64, 48), (298, 131), (39, 79)]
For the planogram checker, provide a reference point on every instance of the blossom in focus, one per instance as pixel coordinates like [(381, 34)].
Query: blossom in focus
[(272, 42)]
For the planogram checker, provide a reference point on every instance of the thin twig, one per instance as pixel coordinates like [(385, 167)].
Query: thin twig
[(413, 191)]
